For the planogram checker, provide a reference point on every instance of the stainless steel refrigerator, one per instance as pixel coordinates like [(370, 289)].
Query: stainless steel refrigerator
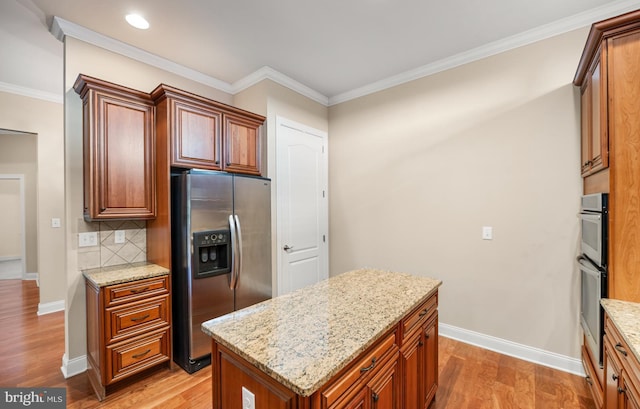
[(221, 254)]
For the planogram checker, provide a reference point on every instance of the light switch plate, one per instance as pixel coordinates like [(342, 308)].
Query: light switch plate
[(119, 237), (55, 222), (487, 233), (88, 239)]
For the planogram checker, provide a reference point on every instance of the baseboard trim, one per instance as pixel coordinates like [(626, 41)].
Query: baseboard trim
[(503, 346), (50, 307), (73, 367), (31, 276)]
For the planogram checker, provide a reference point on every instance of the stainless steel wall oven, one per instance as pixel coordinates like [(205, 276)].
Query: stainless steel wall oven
[(593, 269)]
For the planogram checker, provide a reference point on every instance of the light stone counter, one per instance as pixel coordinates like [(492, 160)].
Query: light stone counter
[(123, 273), (303, 338), (626, 317)]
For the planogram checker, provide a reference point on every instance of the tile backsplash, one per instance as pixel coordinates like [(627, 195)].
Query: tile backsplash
[(108, 252)]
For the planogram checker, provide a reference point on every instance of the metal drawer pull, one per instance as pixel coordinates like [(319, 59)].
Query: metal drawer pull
[(589, 380), (423, 313), (370, 367), (620, 349), (139, 290), (141, 355), (614, 377), (375, 397), (136, 319), (621, 390)]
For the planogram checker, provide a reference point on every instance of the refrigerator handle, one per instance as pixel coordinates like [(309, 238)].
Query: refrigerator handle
[(239, 248), (234, 275)]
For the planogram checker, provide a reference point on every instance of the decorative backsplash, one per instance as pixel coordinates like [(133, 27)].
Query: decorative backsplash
[(108, 252)]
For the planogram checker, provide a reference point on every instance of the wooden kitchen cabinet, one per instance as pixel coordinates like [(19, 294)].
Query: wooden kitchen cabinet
[(609, 79), (128, 329), (621, 370), (119, 151), (205, 134), (594, 132)]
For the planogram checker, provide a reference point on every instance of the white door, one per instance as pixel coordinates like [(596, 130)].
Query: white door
[(302, 209)]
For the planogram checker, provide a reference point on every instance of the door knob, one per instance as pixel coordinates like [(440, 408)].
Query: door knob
[(287, 248)]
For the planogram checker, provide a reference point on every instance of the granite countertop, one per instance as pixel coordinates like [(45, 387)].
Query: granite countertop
[(303, 338), (123, 273), (626, 317)]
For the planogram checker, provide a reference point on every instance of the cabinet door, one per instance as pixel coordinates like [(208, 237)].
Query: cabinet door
[(242, 145), (196, 136), (585, 126), (612, 397), (119, 154), (385, 387), (430, 363), (413, 371), (359, 401), (599, 139), (631, 397)]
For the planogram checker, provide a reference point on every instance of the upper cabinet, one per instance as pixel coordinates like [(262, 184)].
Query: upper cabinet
[(205, 134), (119, 151), (595, 140)]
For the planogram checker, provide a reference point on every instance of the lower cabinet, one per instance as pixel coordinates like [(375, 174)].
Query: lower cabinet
[(128, 330), (621, 370)]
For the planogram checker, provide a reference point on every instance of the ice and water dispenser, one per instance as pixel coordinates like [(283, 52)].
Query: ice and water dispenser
[(211, 253)]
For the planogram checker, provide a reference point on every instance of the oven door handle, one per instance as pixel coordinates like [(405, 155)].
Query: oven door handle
[(589, 265)]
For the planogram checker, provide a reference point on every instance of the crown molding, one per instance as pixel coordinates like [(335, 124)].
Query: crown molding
[(558, 27), (61, 28), (31, 93), (269, 73)]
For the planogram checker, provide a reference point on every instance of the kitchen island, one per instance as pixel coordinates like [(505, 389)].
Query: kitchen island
[(365, 337)]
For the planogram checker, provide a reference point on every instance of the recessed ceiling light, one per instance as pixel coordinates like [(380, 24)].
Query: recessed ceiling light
[(137, 21)]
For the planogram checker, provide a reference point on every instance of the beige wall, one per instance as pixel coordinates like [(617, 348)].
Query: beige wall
[(418, 169), (10, 217), (44, 119), (18, 155)]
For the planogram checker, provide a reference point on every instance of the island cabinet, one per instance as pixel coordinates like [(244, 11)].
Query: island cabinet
[(205, 134), (348, 342), (128, 323), (119, 151), (621, 364)]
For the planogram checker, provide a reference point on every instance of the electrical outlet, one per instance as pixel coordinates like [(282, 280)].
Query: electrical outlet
[(248, 399), (55, 222), (119, 237), (88, 239), (487, 233)]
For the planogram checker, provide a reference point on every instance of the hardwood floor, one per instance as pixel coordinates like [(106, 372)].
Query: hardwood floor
[(31, 348)]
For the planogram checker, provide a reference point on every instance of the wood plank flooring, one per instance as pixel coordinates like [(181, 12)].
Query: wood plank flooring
[(31, 348)]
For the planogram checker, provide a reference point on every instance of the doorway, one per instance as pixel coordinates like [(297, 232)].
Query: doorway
[(18, 195), (302, 205)]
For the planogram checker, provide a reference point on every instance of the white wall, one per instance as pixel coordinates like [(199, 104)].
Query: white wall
[(417, 170)]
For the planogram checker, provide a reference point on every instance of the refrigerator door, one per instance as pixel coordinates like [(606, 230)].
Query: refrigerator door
[(252, 206), (210, 201)]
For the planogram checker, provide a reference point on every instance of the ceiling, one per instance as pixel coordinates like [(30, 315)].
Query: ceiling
[(334, 47)]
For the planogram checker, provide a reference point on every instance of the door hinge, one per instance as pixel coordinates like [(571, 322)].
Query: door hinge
[(323, 193), (324, 238)]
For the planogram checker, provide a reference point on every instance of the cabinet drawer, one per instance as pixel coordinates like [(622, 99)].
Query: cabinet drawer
[(127, 320), (136, 290), (419, 316), (129, 357), (366, 365)]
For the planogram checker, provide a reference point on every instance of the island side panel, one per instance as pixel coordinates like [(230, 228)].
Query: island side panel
[(235, 373)]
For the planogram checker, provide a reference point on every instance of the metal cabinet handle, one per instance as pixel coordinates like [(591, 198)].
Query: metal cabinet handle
[(139, 290), (370, 367), (136, 319), (425, 312), (621, 390), (287, 247), (614, 377), (375, 397), (620, 349), (589, 380), (141, 354)]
